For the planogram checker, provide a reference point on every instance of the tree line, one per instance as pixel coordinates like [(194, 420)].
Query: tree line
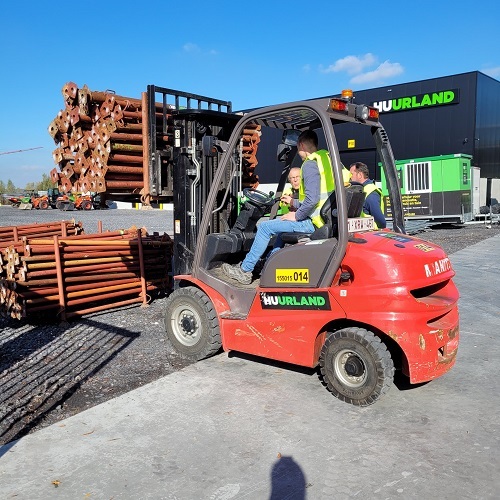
[(10, 188)]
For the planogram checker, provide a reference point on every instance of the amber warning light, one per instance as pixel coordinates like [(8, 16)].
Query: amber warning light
[(338, 105)]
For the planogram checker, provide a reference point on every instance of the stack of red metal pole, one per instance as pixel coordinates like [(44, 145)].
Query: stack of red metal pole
[(13, 235), (102, 142), (250, 138), (76, 275)]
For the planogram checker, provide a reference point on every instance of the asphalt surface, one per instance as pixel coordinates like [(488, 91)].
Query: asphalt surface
[(154, 220), (235, 427)]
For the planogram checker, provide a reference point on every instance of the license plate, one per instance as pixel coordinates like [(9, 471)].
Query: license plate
[(360, 224)]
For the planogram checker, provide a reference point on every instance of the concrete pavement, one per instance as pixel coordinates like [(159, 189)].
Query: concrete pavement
[(232, 427)]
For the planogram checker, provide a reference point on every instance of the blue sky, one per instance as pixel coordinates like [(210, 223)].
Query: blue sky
[(251, 53)]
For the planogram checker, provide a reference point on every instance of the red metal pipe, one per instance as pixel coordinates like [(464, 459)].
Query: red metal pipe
[(60, 282)]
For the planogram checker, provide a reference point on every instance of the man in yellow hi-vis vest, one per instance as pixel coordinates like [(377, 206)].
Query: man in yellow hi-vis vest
[(316, 185), (374, 201), (293, 190)]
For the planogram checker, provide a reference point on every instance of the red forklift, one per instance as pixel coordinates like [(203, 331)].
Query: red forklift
[(356, 302)]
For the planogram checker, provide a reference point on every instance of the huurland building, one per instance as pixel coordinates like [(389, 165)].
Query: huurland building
[(445, 135)]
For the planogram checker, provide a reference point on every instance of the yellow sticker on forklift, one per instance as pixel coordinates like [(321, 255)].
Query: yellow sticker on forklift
[(292, 275)]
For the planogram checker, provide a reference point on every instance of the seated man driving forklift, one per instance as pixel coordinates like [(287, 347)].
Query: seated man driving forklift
[(315, 186)]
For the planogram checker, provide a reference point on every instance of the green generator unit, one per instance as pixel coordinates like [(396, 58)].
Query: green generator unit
[(438, 188)]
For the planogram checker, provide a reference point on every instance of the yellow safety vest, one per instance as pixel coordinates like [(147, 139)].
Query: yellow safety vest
[(346, 176), (369, 189), (327, 184), (284, 208)]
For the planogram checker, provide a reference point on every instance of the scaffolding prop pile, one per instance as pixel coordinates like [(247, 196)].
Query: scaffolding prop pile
[(57, 270)]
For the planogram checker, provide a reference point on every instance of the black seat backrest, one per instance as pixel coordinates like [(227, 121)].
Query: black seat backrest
[(327, 230), (355, 200), (326, 209)]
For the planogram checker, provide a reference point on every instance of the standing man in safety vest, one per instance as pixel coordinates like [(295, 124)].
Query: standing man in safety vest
[(315, 186), (374, 201)]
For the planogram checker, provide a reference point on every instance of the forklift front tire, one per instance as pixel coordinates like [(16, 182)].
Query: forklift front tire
[(356, 366), (191, 324)]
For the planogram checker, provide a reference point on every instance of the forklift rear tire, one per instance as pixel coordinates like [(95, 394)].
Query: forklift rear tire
[(191, 324), (356, 366)]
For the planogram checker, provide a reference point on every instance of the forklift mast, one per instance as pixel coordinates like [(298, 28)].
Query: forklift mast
[(178, 122)]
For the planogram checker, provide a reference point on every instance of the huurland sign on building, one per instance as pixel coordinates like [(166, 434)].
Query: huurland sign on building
[(418, 101)]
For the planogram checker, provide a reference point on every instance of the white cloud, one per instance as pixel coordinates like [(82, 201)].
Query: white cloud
[(356, 67), (196, 49), (352, 65), (190, 47), (306, 68), (493, 72), (384, 71)]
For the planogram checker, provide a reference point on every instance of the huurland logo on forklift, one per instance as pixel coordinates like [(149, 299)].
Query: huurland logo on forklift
[(295, 300), (419, 101)]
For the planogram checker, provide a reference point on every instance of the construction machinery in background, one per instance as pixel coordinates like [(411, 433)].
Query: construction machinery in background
[(53, 195), (40, 202), (77, 201), (36, 200), (26, 201), (15, 201)]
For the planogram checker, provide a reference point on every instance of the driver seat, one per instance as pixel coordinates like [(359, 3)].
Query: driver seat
[(355, 199), (320, 233)]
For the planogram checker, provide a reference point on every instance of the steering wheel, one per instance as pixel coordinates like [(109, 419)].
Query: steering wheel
[(258, 197)]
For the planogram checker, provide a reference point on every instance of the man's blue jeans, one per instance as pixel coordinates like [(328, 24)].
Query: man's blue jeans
[(267, 229)]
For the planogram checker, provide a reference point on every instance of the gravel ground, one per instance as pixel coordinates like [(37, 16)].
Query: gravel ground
[(50, 372)]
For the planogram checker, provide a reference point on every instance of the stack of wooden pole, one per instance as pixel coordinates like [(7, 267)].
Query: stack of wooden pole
[(76, 275)]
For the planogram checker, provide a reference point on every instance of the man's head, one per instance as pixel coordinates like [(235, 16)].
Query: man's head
[(359, 172), (307, 143), (294, 177)]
